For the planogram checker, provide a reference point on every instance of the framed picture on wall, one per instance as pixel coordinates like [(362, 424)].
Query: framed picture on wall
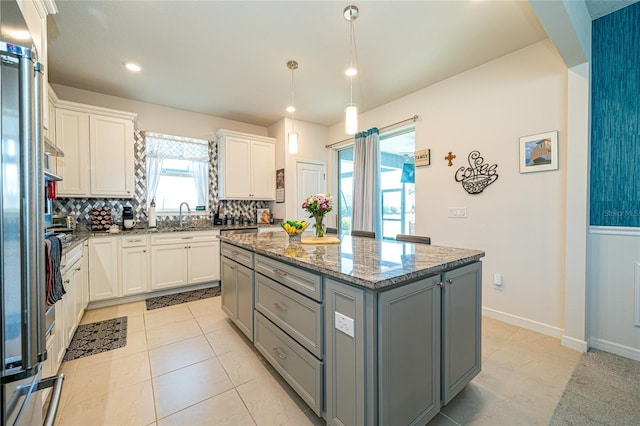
[(539, 153)]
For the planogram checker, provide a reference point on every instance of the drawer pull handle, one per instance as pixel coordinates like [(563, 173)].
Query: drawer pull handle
[(279, 272), (280, 306), (233, 253), (187, 238), (135, 241), (67, 281), (279, 354)]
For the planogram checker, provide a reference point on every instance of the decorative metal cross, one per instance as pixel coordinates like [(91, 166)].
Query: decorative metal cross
[(449, 158)]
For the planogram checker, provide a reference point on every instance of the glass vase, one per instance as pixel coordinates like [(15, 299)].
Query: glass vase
[(318, 227)]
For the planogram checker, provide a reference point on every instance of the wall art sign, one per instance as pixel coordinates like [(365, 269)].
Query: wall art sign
[(280, 186), (539, 153), (478, 175), (422, 157)]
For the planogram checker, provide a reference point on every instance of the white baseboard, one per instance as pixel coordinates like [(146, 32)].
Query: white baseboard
[(523, 322), (615, 348), (572, 343), (143, 296)]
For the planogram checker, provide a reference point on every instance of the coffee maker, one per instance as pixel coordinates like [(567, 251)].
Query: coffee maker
[(127, 217)]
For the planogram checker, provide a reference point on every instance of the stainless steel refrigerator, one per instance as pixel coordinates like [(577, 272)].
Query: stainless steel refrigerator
[(22, 250)]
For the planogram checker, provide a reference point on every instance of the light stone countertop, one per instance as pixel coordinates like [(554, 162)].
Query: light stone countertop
[(364, 262), (79, 237)]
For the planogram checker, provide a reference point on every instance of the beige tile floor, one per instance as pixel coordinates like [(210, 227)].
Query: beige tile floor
[(188, 365)]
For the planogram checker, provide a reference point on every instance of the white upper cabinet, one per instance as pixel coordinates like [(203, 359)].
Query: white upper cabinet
[(111, 147), (246, 166), (98, 146), (72, 137)]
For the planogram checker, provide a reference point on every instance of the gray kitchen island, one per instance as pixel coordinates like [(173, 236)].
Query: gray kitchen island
[(367, 332)]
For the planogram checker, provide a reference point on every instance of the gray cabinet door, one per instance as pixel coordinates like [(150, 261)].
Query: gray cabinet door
[(409, 353), (345, 375), (244, 291), (461, 328), (229, 287)]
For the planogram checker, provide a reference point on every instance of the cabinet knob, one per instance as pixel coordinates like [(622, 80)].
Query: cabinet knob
[(78, 268), (449, 281), (232, 267), (144, 251), (67, 281), (439, 284), (128, 192)]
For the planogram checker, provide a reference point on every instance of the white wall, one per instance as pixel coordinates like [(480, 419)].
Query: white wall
[(519, 220), (312, 139), (160, 119)]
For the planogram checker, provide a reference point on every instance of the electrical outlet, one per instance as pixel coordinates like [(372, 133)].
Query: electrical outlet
[(498, 283), (458, 212), (344, 324)]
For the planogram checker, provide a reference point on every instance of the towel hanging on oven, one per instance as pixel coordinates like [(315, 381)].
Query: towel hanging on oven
[(53, 254)]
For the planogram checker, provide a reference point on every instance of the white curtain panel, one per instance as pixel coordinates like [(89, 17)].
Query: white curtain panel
[(201, 175), (366, 183), (154, 167)]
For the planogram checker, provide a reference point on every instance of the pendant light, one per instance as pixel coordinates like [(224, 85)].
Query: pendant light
[(351, 13), (293, 136)]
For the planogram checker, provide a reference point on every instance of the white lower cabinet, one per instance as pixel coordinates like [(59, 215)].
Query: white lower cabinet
[(135, 265), (104, 278), (184, 258), (169, 266), (127, 265), (203, 262)]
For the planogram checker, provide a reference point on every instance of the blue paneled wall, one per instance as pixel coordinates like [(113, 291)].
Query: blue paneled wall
[(615, 119)]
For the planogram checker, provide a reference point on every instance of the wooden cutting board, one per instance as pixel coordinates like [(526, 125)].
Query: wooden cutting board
[(324, 240)]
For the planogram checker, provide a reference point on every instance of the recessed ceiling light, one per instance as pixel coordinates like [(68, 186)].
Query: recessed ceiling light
[(291, 109), (132, 67)]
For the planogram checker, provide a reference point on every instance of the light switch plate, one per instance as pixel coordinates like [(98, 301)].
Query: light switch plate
[(458, 212), (344, 324)]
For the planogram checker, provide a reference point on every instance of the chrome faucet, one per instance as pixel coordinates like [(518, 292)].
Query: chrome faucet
[(188, 210)]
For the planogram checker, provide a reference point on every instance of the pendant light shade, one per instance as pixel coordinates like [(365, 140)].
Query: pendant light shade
[(351, 13), (293, 136), (293, 143), (351, 119)]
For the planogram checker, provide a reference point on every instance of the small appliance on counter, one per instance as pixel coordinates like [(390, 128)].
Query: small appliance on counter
[(127, 217), (62, 223)]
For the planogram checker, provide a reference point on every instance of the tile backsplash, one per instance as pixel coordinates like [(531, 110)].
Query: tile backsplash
[(80, 208)]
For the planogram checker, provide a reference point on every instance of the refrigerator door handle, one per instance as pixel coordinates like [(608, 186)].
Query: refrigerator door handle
[(54, 402), (30, 246)]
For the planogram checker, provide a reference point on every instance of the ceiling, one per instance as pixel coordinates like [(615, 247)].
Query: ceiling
[(228, 58)]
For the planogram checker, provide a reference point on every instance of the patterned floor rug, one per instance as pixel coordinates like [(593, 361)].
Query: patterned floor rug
[(187, 296), (97, 337)]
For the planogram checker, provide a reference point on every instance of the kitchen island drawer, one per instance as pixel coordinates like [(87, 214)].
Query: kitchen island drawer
[(242, 256), (293, 277), (297, 366), (297, 315)]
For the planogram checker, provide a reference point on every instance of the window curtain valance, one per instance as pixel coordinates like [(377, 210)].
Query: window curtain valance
[(176, 147)]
